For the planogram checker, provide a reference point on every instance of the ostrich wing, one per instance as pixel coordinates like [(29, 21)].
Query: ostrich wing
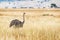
[(12, 23)]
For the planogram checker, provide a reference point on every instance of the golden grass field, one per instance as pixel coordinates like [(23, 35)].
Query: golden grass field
[(36, 26)]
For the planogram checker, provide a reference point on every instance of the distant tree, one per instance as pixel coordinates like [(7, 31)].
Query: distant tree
[(13, 7), (53, 5), (6, 7)]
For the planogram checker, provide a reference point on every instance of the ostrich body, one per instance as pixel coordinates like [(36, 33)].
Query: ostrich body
[(17, 23)]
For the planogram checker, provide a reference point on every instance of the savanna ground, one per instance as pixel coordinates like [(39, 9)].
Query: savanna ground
[(36, 26)]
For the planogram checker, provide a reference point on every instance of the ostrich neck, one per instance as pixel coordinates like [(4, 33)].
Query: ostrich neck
[(23, 18)]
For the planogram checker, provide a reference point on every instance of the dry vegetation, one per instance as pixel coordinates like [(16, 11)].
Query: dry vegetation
[(36, 27)]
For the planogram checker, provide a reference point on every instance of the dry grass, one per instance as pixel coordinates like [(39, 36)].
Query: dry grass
[(36, 27)]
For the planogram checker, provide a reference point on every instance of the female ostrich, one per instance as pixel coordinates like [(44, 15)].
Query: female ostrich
[(17, 23)]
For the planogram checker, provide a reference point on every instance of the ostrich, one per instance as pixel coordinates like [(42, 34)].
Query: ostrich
[(17, 23)]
